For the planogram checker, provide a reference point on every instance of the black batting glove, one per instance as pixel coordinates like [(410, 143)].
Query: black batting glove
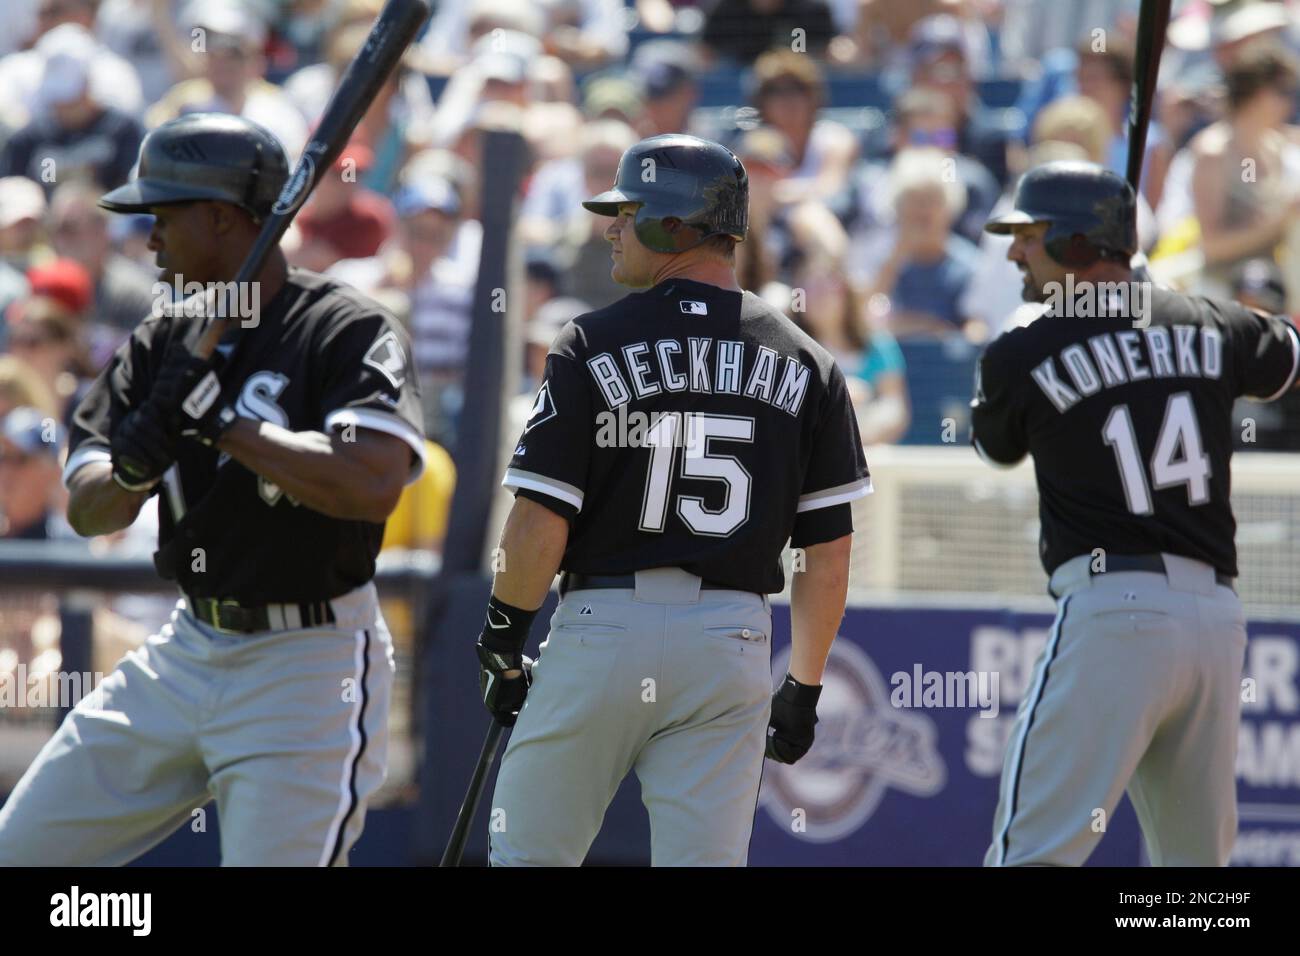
[(794, 715), (143, 447), (501, 650), (189, 388)]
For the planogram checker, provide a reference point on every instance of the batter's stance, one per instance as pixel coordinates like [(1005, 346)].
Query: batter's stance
[(681, 436), (269, 688), (1139, 684)]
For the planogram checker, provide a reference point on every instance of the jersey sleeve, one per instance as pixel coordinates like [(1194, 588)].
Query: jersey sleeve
[(554, 452), (1265, 353), (369, 382), (837, 470), (997, 418), (123, 384)]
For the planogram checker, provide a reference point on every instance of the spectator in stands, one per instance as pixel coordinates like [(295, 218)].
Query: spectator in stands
[(586, 34), (402, 109), (419, 522), (498, 72), (31, 495), (1259, 284), (552, 208), (47, 336), (21, 385), (227, 75), (430, 289), (742, 30), (539, 332), (343, 219), (828, 307), (667, 72), (1105, 76), (113, 79), (22, 210), (541, 281), (131, 29), (458, 25), (924, 118), (580, 237), (919, 265), (613, 98), (79, 230), (789, 92), (767, 161), (73, 135), (1247, 166), (938, 61)]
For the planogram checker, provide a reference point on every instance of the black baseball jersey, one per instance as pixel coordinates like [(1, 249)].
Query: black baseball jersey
[(695, 427), (1130, 428), (322, 357)]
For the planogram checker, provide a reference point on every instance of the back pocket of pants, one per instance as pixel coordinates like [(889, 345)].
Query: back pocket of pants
[(738, 635)]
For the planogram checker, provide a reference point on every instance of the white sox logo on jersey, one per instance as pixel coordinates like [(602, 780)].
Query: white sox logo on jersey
[(257, 401)]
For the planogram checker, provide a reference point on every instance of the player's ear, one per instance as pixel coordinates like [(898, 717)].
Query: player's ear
[(225, 218)]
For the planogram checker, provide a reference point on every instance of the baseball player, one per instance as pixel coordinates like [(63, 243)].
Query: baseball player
[(268, 689), (669, 535), (1127, 416)]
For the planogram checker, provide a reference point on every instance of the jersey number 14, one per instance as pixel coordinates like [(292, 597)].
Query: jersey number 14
[(1177, 460)]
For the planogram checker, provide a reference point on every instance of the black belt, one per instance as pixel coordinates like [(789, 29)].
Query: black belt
[(228, 615), (1154, 563), (575, 581)]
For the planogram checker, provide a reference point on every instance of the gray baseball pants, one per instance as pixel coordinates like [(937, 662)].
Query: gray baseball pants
[(666, 679), (1137, 687), (287, 730)]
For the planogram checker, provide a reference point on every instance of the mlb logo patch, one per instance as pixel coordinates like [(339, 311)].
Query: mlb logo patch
[(691, 307)]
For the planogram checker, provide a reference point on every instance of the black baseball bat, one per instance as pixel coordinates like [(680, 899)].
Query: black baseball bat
[(392, 32), (1153, 19), (460, 832)]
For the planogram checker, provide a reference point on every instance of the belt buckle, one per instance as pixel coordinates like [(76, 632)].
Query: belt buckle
[(223, 610)]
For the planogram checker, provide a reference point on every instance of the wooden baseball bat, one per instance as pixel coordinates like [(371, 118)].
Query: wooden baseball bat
[(393, 31), (1153, 19), (460, 832)]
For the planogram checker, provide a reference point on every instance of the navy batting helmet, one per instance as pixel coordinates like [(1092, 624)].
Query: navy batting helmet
[(205, 156), (1091, 212), (689, 189)]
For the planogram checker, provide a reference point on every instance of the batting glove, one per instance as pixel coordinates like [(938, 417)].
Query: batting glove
[(501, 650), (794, 715), (143, 447), (188, 387)]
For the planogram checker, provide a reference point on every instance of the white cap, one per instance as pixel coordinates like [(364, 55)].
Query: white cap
[(505, 55), (69, 52), (227, 18), (20, 198), (1249, 21)]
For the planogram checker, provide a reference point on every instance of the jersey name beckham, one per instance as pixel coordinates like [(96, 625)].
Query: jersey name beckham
[(695, 427), (780, 381)]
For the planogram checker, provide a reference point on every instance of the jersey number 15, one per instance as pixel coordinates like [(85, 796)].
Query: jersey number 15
[(697, 461), (1177, 459)]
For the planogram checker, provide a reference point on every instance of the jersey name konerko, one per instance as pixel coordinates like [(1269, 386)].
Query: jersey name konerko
[(1130, 424), (691, 426)]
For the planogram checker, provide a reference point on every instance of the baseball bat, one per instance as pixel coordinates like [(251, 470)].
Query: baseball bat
[(1153, 19), (392, 32), (460, 832)]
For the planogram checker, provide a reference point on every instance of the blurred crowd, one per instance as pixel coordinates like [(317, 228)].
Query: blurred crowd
[(878, 135)]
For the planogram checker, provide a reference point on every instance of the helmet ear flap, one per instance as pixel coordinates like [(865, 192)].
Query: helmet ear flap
[(1075, 250)]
